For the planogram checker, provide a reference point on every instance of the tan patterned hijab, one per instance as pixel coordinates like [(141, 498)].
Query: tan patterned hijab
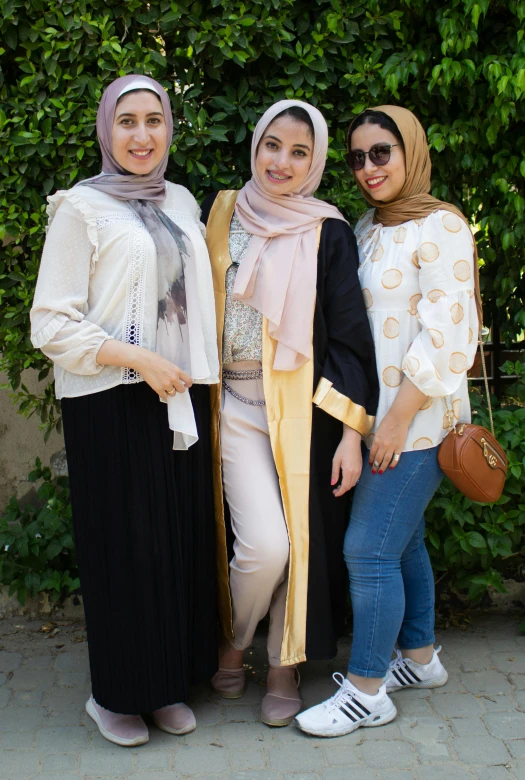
[(414, 201)]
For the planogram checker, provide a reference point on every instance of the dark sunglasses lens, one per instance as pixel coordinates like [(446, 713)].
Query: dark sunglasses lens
[(380, 155), (355, 160)]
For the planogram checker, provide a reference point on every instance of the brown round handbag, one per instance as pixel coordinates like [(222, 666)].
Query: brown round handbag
[(471, 457)]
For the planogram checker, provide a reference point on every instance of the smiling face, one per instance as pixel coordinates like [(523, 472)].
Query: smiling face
[(284, 156), (384, 182), (139, 134)]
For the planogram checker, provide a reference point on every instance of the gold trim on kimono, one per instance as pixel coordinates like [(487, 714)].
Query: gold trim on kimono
[(334, 403)]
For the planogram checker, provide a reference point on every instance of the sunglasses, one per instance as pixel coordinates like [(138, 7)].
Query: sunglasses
[(379, 155)]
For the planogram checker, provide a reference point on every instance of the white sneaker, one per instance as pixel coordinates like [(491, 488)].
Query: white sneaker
[(347, 711), (405, 673)]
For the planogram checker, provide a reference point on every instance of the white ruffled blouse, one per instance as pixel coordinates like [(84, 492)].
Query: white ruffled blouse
[(418, 287), (98, 280)]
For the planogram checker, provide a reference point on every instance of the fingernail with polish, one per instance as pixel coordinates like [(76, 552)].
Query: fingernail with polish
[(380, 472), (373, 471)]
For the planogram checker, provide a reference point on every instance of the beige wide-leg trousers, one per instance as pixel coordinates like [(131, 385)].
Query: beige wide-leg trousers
[(259, 568)]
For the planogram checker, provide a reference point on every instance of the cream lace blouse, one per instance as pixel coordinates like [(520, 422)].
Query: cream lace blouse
[(98, 280), (418, 287)]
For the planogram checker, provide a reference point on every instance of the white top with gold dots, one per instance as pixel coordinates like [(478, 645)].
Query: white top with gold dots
[(418, 286)]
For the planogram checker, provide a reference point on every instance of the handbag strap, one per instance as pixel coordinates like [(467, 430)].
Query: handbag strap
[(450, 413)]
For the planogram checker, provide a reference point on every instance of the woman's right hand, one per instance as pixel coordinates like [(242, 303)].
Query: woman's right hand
[(163, 376)]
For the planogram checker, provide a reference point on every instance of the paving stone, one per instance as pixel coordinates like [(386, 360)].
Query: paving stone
[(207, 713), (17, 765), (518, 767), (26, 698), (59, 762), (38, 662), (152, 761), (382, 755), (486, 682), (5, 695), (203, 735), (454, 684), (345, 755), (519, 697), (296, 757), (61, 718), (468, 727), (494, 773), (72, 679), (248, 776), (516, 747), (352, 773), (66, 776), (245, 760), (240, 714), (105, 761), (516, 679), (3, 679), (300, 776), (18, 740), (433, 753), (65, 698), (402, 775), (505, 645), (425, 729), (240, 735), (411, 707), (483, 751), (390, 731), (62, 740), (9, 661), (498, 703), (506, 725), (30, 679), (72, 662), (457, 705), (253, 694), (194, 761), (447, 772), (509, 662), (152, 775), (20, 718)]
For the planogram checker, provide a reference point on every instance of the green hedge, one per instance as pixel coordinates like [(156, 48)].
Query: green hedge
[(460, 65)]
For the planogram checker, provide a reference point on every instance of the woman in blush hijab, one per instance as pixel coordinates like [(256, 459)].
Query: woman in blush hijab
[(299, 387), (124, 308)]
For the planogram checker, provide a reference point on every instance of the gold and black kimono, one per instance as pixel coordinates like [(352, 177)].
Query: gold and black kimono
[(306, 409)]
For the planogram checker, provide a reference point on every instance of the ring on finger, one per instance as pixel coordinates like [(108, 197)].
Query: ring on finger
[(170, 392), (395, 457), (375, 464)]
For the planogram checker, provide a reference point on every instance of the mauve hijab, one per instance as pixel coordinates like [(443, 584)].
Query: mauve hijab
[(278, 275), (179, 325)]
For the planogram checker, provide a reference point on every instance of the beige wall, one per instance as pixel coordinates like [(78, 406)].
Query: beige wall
[(21, 441)]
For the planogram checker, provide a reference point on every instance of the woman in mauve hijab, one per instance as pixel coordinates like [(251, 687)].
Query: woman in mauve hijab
[(299, 387), (124, 308)]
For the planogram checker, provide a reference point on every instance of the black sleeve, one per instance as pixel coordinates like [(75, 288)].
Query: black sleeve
[(206, 205), (348, 388)]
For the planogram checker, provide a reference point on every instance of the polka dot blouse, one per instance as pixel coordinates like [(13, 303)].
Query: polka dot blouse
[(418, 287)]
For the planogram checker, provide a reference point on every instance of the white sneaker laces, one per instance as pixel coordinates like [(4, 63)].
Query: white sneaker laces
[(335, 701)]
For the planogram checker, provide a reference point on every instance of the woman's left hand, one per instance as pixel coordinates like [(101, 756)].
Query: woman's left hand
[(347, 463), (388, 443)]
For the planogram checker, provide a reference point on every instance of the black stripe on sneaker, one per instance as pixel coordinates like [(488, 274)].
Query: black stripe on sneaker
[(401, 680), (349, 715), (361, 706), (409, 671), (360, 715)]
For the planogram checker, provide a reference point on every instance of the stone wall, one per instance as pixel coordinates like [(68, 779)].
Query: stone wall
[(21, 441)]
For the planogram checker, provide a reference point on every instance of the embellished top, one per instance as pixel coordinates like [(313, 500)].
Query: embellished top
[(98, 281), (418, 288), (242, 338)]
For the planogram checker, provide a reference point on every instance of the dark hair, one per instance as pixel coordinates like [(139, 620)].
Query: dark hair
[(300, 115), (370, 117), (140, 89)]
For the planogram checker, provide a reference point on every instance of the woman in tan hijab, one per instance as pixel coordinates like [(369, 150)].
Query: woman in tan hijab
[(418, 271)]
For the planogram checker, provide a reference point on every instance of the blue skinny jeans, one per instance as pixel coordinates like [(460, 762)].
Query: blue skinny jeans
[(391, 579)]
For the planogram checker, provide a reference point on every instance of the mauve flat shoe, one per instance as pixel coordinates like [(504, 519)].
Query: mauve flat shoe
[(123, 730), (175, 719), (229, 683), (279, 710)]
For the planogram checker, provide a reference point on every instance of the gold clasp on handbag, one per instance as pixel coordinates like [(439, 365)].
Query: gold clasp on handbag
[(461, 429), (489, 457)]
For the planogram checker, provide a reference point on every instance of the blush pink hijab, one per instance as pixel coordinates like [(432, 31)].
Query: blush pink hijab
[(278, 275)]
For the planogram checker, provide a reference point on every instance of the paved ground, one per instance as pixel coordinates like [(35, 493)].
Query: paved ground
[(472, 728)]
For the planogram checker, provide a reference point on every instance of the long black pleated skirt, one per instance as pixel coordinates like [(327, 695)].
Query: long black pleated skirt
[(144, 532)]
